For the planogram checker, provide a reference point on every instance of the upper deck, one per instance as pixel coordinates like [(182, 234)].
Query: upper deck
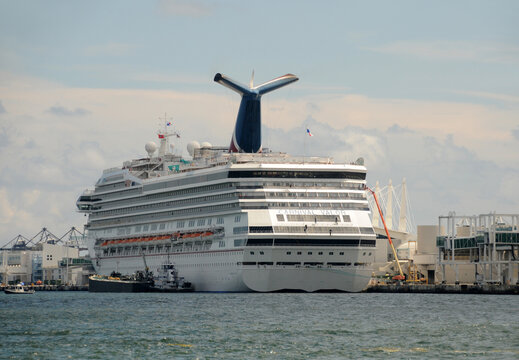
[(216, 158)]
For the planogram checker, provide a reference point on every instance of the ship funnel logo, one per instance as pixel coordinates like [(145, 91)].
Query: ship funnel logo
[(247, 131)]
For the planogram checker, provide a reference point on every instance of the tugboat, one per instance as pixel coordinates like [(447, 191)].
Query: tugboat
[(18, 289), (167, 280)]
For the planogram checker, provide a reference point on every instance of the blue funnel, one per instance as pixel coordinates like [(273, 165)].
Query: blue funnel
[(247, 131)]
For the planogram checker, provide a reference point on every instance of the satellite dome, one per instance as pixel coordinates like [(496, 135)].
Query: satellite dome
[(359, 161), (206, 145), (192, 146), (150, 148)]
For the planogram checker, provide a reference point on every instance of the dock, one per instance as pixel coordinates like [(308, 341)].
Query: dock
[(52, 287), (490, 289)]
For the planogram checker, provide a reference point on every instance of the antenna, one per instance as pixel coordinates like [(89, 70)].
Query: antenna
[(164, 134)]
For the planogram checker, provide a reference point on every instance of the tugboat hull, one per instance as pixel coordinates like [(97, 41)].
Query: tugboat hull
[(112, 285)]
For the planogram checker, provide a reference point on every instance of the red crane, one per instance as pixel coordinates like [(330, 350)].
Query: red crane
[(397, 277)]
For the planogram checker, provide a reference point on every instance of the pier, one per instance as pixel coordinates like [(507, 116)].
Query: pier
[(51, 287), (490, 289)]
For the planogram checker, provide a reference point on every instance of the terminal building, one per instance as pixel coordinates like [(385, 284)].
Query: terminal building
[(480, 249), (45, 259)]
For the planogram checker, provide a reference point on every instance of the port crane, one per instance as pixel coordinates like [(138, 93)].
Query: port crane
[(401, 275)]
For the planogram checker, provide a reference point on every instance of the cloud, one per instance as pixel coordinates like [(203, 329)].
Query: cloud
[(484, 128), (6, 210), (396, 129), (2, 108), (191, 8), (62, 111), (515, 133), (4, 137), (491, 96), (453, 50)]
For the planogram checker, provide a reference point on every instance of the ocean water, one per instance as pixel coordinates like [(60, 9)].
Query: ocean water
[(82, 325)]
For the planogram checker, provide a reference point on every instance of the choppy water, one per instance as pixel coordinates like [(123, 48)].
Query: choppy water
[(81, 325)]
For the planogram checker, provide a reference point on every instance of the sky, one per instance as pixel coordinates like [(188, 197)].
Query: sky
[(426, 91)]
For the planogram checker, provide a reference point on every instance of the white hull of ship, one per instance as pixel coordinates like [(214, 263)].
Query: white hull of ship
[(309, 279), (220, 271)]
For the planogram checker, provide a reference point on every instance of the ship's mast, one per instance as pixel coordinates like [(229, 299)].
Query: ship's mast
[(164, 134)]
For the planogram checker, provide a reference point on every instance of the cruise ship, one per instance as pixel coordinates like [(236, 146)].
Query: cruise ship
[(237, 218)]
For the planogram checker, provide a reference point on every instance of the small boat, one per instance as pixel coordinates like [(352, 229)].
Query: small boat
[(18, 289), (138, 282), (167, 280)]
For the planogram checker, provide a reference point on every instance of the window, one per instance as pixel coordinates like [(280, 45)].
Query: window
[(200, 222), (138, 228), (221, 243), (237, 218), (153, 227), (280, 217), (145, 227), (239, 242), (299, 253), (219, 220), (252, 252), (191, 223), (330, 253), (240, 230), (162, 226), (262, 253), (320, 253), (180, 224), (209, 221), (341, 253), (298, 174), (309, 253), (289, 252)]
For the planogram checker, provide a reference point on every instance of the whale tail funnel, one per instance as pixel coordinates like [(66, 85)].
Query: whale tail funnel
[(247, 131)]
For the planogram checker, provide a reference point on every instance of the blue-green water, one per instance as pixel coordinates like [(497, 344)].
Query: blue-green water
[(82, 325)]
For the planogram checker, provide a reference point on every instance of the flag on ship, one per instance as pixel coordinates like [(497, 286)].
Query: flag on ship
[(161, 136), (168, 123), (308, 132)]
